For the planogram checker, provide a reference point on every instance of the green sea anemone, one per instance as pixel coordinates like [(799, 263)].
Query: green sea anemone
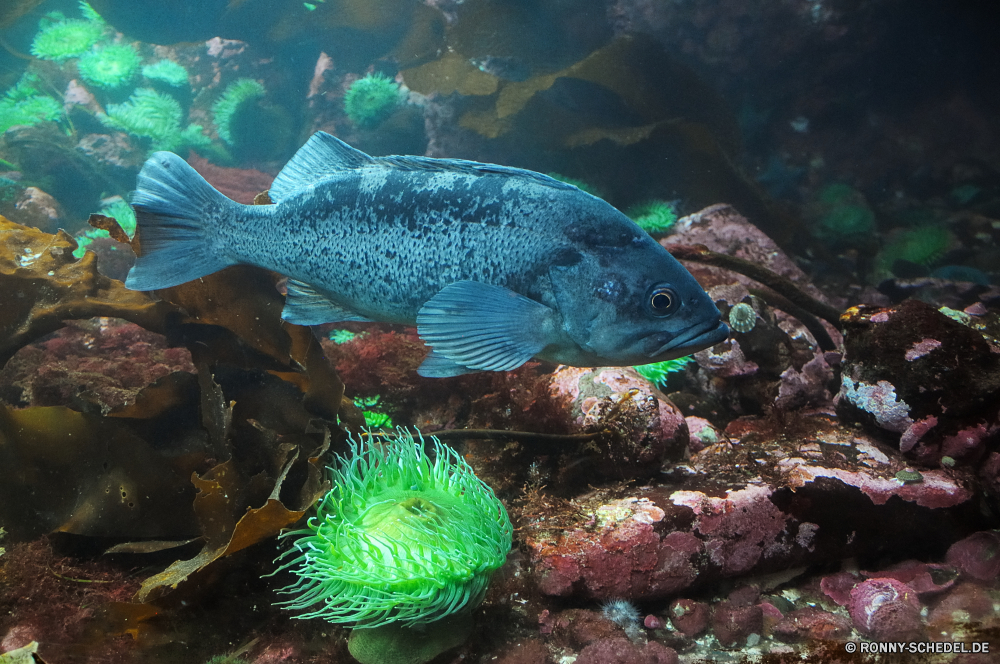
[(842, 215), (122, 212), (30, 111), (654, 217), (155, 116), (236, 94), (111, 67), (166, 71), (86, 238), (89, 12), (398, 539), (657, 373), (375, 418), (372, 99), (69, 38)]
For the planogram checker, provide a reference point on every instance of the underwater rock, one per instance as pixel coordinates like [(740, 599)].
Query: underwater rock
[(913, 374), (100, 364), (40, 210), (645, 429), (967, 612), (734, 625), (886, 610), (811, 624), (622, 651), (756, 502), (977, 556), (691, 618), (240, 184), (723, 229), (927, 579), (578, 628), (774, 363)]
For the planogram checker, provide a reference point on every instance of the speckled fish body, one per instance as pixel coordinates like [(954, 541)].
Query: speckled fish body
[(494, 265)]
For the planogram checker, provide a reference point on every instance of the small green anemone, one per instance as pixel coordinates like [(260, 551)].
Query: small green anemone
[(66, 39), (111, 67), (657, 373), (237, 93), (372, 99), (654, 217), (167, 71), (399, 538)]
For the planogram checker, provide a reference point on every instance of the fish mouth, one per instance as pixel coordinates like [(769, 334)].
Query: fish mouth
[(690, 341)]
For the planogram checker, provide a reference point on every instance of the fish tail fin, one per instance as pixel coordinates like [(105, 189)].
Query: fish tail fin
[(176, 212)]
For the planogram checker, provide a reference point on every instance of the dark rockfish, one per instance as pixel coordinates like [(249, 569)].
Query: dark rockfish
[(494, 265)]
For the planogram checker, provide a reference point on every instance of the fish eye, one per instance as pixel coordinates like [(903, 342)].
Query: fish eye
[(663, 301)]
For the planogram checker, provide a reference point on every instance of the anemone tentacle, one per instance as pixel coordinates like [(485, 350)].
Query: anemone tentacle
[(399, 538)]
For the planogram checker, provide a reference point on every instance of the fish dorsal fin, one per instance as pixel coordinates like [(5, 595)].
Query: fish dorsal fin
[(464, 166), (322, 156)]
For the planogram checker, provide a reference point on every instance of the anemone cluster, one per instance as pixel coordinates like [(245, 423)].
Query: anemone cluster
[(400, 538)]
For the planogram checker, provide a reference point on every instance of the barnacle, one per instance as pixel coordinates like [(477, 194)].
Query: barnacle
[(111, 67), (400, 538), (742, 317), (371, 99)]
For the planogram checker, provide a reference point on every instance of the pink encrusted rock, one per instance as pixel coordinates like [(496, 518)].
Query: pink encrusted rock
[(966, 606), (739, 529), (691, 618), (926, 578), (733, 624), (618, 554), (576, 628), (647, 428), (623, 651), (838, 587), (977, 556), (812, 624), (938, 489), (771, 496), (701, 433), (886, 610), (913, 372), (723, 229)]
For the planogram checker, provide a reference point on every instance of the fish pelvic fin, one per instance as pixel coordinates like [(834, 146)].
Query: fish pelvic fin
[(304, 305), (481, 327), (175, 210)]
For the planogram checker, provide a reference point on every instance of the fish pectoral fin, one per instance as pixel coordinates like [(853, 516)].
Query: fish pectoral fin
[(436, 365), (304, 305), (484, 327)]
